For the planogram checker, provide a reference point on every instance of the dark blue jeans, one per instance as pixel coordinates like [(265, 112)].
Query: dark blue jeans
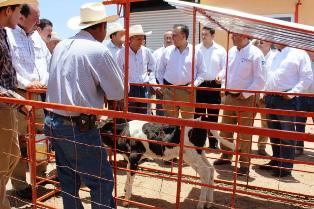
[(303, 104), (277, 102), (80, 157), (138, 107)]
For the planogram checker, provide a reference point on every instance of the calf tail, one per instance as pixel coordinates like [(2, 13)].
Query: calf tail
[(223, 141)]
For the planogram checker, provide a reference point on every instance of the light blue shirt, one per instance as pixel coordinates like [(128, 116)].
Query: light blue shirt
[(113, 49), (81, 73), (142, 65)]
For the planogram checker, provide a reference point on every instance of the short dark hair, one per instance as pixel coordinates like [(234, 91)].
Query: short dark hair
[(12, 7), (113, 34), (184, 29), (211, 30), (25, 10), (44, 23), (94, 27)]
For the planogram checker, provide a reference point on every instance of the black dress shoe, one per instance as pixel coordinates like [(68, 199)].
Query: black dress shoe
[(268, 166), (281, 173), (25, 193), (262, 152), (222, 161), (243, 171)]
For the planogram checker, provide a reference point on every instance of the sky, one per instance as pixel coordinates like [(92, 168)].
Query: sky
[(60, 11)]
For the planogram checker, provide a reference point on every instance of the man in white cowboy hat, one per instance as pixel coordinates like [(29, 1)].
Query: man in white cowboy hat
[(141, 67), (115, 33), (31, 59), (82, 73), (9, 145)]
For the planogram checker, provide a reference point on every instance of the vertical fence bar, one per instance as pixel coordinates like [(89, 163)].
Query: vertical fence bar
[(180, 165), (126, 58), (193, 56), (32, 151)]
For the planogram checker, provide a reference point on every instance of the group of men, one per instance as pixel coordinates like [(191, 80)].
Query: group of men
[(24, 65), (83, 71)]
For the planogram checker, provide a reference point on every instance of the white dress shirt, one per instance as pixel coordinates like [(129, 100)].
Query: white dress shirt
[(290, 71), (141, 65), (176, 67), (157, 55), (113, 49), (214, 58), (82, 73), (246, 69), (30, 56), (269, 59), (311, 88)]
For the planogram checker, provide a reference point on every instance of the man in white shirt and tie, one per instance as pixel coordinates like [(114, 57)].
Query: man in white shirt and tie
[(175, 68), (290, 72), (31, 59), (141, 67), (115, 33), (168, 41), (215, 63), (246, 71)]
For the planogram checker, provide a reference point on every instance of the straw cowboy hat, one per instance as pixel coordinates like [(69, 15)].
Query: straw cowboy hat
[(137, 30), (4, 3), (90, 14), (114, 27)]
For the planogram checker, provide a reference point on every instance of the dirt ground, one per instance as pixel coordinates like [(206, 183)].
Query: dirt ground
[(162, 193)]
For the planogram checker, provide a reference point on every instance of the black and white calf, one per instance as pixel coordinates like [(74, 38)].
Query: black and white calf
[(133, 151)]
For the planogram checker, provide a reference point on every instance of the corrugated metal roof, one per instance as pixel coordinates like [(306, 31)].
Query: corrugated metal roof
[(159, 22), (260, 27)]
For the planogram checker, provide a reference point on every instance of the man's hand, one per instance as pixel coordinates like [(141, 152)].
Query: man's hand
[(26, 109), (218, 80), (241, 97), (158, 91), (222, 94), (287, 97), (35, 85)]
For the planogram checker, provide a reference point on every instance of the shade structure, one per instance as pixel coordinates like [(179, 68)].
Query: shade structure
[(256, 26)]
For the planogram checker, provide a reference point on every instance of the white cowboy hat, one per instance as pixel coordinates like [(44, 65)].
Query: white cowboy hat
[(90, 14), (137, 30), (4, 3), (114, 27)]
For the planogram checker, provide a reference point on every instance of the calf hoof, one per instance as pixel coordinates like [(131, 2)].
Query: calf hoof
[(125, 203), (208, 205), (200, 205)]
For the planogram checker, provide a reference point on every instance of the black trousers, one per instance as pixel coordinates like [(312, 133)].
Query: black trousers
[(208, 97), (138, 107)]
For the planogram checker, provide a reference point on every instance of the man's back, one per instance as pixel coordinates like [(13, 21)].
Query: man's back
[(86, 73)]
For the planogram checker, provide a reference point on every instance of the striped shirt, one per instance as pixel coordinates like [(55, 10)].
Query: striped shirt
[(7, 71), (30, 56)]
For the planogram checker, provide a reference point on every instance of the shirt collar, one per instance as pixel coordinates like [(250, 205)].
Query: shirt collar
[(22, 31), (186, 49), (86, 35), (245, 48), (213, 46), (138, 51), (112, 45)]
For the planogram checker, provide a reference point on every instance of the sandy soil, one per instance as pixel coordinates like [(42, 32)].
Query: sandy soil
[(162, 193)]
